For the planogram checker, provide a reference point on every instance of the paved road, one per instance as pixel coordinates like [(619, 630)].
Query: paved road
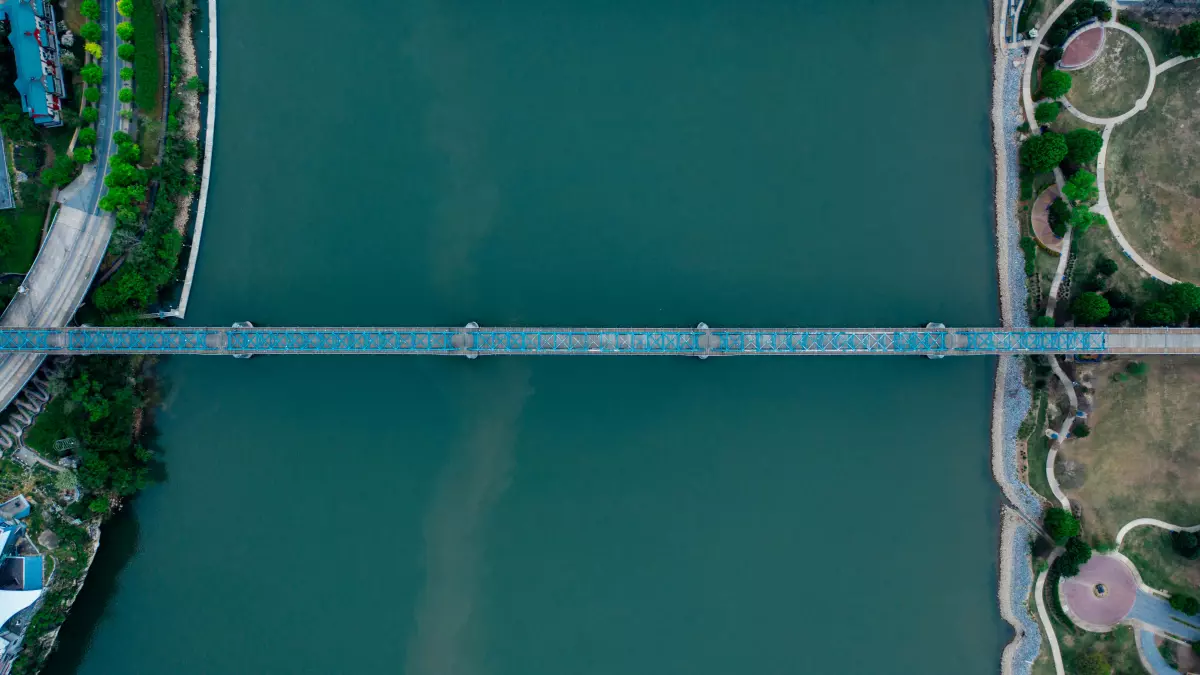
[(73, 248)]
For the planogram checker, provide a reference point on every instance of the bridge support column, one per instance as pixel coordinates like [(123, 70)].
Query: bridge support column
[(243, 324), (705, 340), (464, 341)]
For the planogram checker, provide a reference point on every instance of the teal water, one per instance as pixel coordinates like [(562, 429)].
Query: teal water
[(586, 163)]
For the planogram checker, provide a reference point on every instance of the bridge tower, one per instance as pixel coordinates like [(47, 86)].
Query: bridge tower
[(705, 340)]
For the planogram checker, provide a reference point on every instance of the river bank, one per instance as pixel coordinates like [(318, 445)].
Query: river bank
[(1011, 397)]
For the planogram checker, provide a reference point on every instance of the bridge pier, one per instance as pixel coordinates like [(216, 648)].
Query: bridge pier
[(243, 324), (463, 340), (705, 340)]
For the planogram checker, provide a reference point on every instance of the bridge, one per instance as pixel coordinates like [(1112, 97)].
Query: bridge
[(244, 340)]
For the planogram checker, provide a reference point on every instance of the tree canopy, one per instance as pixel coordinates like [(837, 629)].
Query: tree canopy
[(1055, 83), (91, 31), (1090, 308), (1081, 187), (1106, 266), (90, 9), (1186, 544), (126, 52), (1076, 554), (1185, 603), (1184, 298), (1155, 313), (1083, 145), (1189, 39), (90, 114), (1046, 112), (1061, 525), (1043, 152), (91, 73), (1043, 321)]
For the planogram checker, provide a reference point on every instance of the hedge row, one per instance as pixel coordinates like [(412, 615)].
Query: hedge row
[(147, 72)]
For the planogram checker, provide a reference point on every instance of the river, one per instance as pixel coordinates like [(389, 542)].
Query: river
[(587, 163)]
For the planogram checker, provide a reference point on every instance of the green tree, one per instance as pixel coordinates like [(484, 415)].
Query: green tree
[(1092, 663), (125, 8), (1075, 554), (91, 73), (1055, 83), (125, 31), (90, 9), (1138, 368), (1185, 603), (90, 114), (1052, 56), (1155, 314), (1081, 430), (1046, 112), (1043, 152), (1059, 216), (1184, 298), (86, 137), (1090, 307), (1106, 266), (91, 32), (1061, 525), (126, 52), (1081, 187), (1043, 321), (130, 152), (1186, 544), (1082, 219), (127, 73), (1189, 39), (125, 95), (82, 155), (94, 49), (91, 94), (1083, 145), (98, 505), (1101, 11)]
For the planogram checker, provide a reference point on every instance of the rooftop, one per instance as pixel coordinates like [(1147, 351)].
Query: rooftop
[(35, 47)]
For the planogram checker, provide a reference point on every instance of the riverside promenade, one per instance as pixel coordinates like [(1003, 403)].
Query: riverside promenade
[(471, 341)]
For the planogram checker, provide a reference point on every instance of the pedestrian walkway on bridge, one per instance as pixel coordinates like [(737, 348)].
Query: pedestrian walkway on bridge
[(247, 340)]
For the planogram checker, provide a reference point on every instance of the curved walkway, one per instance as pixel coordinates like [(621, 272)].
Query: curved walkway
[(1102, 206), (1062, 432), (1153, 522), (1148, 653), (1038, 594)]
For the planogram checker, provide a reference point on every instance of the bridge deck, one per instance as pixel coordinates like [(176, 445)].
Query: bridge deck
[(564, 341)]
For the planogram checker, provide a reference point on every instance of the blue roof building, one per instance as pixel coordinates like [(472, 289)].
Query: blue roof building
[(39, 68)]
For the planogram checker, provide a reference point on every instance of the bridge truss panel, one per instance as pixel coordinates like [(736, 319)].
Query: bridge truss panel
[(1034, 341)]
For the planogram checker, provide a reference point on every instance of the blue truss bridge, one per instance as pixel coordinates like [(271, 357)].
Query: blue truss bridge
[(244, 340)]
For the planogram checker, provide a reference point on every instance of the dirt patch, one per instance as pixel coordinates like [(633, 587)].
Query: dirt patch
[(1153, 174), (1111, 84), (1140, 459)]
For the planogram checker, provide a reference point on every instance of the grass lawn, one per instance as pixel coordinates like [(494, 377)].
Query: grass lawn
[(1160, 566), (1153, 175), (1130, 279), (1140, 459), (1161, 40), (1037, 448), (1117, 646), (1112, 83), (27, 235), (1068, 122)]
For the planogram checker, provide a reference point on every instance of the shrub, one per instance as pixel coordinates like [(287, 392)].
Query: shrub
[(1059, 216), (91, 94), (1046, 112), (90, 114), (1043, 321), (1090, 307), (1108, 267), (1052, 56), (1138, 368), (1026, 187), (1189, 39), (91, 32), (1055, 83), (1081, 430), (86, 137), (1029, 248), (126, 73), (146, 64), (1186, 544), (1042, 153), (1057, 37), (1101, 11), (194, 83), (82, 155), (1083, 145), (1092, 663), (1082, 219), (1155, 314)]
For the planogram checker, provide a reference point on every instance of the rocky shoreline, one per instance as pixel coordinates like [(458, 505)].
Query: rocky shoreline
[(1011, 398)]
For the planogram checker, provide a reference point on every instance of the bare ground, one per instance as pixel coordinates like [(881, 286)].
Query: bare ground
[(1141, 457), (1153, 175)]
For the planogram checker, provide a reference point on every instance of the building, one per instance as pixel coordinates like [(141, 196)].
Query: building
[(31, 32), (20, 579)]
